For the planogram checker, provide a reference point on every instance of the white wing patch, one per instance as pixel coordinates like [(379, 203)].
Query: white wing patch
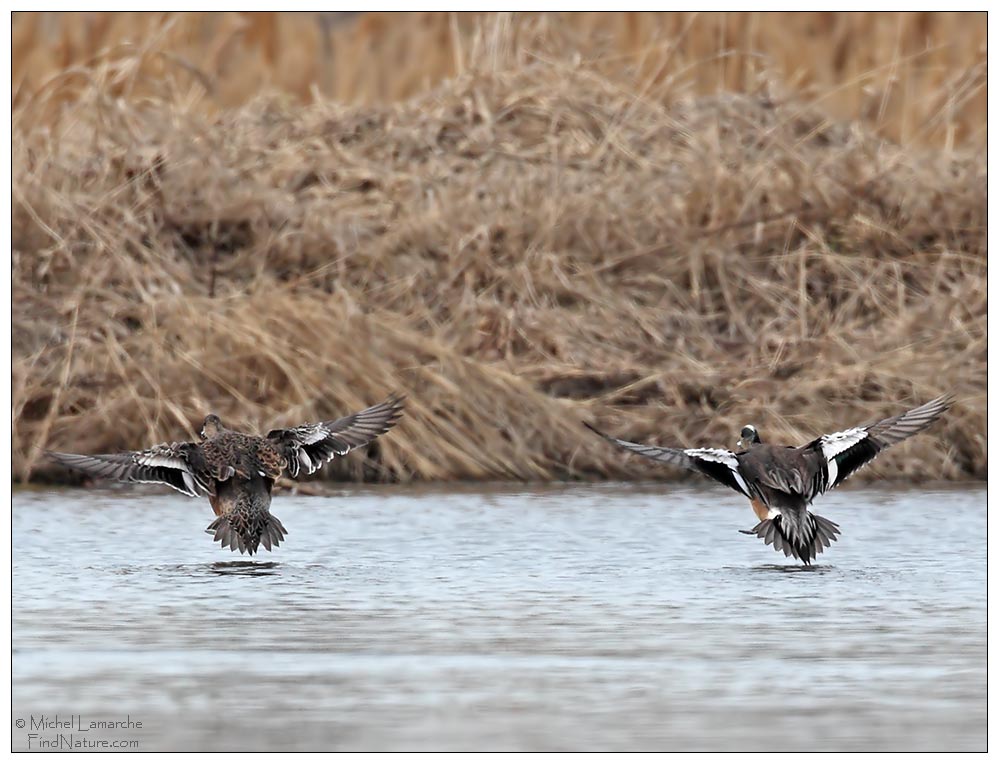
[(317, 434), (720, 456), (838, 442), (309, 435), (162, 460), (306, 462), (835, 444), (192, 486)]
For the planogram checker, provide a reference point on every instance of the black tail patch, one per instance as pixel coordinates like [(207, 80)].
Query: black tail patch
[(244, 534), (817, 536)]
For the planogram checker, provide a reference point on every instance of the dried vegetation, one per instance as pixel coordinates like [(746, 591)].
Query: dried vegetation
[(532, 243)]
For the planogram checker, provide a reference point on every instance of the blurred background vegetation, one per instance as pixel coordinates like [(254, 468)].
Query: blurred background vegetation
[(912, 76), (670, 224)]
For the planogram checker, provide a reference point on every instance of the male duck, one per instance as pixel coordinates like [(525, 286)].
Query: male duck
[(237, 471), (781, 481)]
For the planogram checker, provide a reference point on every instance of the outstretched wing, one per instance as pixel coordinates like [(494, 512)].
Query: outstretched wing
[(716, 463), (309, 446), (840, 454), (178, 465)]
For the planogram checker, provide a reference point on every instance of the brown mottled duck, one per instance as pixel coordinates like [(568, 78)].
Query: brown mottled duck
[(237, 470)]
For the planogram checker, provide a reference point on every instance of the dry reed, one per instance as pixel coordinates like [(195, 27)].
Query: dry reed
[(913, 77), (531, 244)]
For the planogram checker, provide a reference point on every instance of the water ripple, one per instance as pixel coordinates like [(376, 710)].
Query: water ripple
[(567, 617)]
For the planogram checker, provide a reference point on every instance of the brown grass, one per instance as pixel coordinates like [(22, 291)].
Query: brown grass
[(912, 77), (531, 244)]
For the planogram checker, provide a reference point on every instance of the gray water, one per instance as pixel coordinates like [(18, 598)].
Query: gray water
[(568, 617)]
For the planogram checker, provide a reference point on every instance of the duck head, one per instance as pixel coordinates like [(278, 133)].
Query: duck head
[(211, 427), (749, 437)]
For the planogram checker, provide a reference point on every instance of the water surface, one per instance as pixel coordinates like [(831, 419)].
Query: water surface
[(606, 616)]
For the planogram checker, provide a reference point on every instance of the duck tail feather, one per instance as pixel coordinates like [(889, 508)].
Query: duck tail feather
[(828, 528), (814, 536), (244, 534)]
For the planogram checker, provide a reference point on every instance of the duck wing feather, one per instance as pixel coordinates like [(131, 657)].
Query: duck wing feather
[(838, 455), (309, 446), (178, 465), (716, 463)]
